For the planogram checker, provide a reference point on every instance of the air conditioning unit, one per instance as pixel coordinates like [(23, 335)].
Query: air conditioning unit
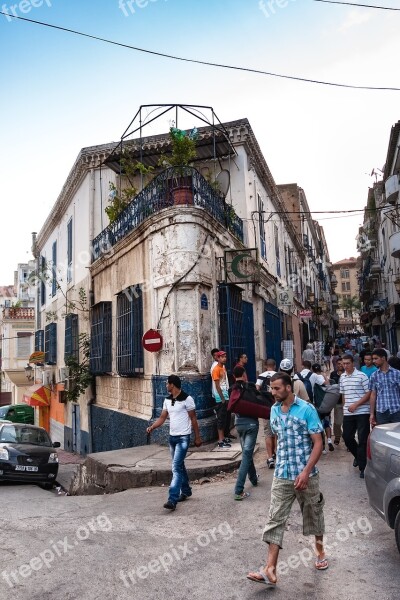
[(63, 373), (47, 378)]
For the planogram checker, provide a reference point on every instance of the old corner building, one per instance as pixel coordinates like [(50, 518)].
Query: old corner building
[(231, 265)]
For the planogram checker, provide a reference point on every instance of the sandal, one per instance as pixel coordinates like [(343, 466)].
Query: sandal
[(263, 578), (321, 564), (242, 496)]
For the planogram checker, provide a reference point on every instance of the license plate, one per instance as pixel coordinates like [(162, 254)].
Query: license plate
[(23, 468)]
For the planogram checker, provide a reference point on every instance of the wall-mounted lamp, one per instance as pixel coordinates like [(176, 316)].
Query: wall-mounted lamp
[(29, 372)]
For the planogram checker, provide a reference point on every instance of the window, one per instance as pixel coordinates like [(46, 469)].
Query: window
[(345, 273), (39, 340), (346, 314), (42, 280), (50, 344), (277, 254), (71, 337), (130, 359), (345, 286), (54, 269), (101, 339), (263, 248), (69, 251), (23, 344)]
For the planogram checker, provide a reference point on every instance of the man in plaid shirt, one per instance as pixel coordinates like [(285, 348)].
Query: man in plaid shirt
[(298, 429), (385, 391)]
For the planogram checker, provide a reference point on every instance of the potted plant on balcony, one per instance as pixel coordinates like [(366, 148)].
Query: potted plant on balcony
[(183, 155)]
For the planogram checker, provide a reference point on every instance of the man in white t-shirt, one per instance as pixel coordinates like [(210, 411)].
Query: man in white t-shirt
[(262, 385), (181, 410), (354, 386)]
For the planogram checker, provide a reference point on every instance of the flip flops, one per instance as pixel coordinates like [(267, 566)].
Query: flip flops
[(264, 578), (321, 564)]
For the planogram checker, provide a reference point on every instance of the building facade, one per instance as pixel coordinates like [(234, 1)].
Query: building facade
[(346, 274), (200, 268)]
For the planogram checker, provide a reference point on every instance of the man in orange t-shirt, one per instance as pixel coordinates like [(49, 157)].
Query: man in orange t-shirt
[(220, 394)]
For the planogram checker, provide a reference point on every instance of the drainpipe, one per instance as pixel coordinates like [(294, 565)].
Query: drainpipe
[(91, 293)]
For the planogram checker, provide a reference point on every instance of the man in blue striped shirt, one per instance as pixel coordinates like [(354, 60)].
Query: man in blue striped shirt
[(299, 446), (385, 391)]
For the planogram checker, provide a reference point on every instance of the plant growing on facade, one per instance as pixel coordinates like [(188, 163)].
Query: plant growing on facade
[(119, 199), (79, 374)]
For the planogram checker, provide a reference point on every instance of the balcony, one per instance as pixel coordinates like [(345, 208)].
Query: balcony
[(394, 245), (392, 187), (18, 313), (176, 186)]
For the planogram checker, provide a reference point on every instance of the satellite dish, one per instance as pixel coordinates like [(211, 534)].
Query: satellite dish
[(224, 180)]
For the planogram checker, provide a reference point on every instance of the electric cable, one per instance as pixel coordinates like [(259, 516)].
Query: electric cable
[(204, 62), (355, 4)]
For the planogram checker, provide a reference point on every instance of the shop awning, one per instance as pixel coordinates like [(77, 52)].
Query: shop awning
[(37, 395)]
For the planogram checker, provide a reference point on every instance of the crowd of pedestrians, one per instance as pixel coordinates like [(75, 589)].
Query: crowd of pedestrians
[(362, 381)]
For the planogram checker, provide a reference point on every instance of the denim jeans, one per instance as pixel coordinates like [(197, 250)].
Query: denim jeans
[(178, 445), (357, 424), (382, 418), (247, 429)]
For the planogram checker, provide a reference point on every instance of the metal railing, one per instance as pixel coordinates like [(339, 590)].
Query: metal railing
[(183, 186)]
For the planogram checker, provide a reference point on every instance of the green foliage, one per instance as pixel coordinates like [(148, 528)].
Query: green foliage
[(119, 200), (80, 377), (183, 149)]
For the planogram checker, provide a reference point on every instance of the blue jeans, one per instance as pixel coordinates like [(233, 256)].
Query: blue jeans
[(382, 418), (178, 445), (247, 429)]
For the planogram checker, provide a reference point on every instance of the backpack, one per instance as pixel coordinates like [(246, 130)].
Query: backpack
[(247, 401), (326, 397), (307, 385)]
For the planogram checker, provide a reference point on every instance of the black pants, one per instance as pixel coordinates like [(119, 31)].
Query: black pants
[(359, 424)]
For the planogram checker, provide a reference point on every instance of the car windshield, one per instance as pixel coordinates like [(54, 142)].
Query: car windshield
[(24, 435)]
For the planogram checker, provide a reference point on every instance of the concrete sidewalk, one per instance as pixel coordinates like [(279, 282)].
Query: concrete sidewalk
[(142, 466)]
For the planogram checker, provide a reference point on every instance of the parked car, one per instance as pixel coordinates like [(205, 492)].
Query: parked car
[(382, 474), (27, 454), (18, 413)]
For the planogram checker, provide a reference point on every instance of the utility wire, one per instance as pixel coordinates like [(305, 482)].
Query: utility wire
[(360, 5), (203, 62)]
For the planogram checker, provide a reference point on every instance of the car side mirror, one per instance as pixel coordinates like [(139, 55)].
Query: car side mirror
[(56, 445)]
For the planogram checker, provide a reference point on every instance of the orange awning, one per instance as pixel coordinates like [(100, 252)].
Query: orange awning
[(38, 395)]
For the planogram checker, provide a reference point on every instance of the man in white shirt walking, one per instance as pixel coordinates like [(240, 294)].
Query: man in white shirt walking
[(180, 408), (354, 386), (262, 384)]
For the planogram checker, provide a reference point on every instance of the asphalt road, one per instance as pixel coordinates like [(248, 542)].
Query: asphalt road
[(127, 546)]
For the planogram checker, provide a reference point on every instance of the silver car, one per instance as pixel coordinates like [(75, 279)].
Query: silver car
[(382, 475)]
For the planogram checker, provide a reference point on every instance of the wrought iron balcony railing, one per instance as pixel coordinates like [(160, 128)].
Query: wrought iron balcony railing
[(183, 186)]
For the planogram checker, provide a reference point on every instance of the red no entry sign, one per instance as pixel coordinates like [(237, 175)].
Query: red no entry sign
[(152, 341)]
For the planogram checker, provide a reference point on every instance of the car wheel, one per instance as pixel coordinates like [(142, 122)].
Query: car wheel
[(397, 530), (46, 486)]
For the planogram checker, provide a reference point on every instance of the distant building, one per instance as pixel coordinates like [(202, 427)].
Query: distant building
[(346, 273)]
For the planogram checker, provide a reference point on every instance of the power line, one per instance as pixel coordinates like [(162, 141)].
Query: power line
[(203, 62), (354, 4)]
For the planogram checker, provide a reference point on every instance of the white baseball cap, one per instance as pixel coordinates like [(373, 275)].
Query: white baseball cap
[(286, 364)]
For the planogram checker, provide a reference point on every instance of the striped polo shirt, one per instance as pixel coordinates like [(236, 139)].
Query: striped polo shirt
[(354, 387)]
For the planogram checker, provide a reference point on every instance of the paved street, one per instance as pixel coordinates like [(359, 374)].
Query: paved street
[(126, 545)]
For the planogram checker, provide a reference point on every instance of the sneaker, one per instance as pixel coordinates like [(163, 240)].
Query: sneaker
[(224, 445), (227, 440), (331, 447), (170, 505), (270, 463), (183, 497), (242, 496), (230, 437), (361, 474), (324, 451), (355, 463)]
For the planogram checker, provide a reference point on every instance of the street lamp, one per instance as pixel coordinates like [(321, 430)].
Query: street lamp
[(29, 372)]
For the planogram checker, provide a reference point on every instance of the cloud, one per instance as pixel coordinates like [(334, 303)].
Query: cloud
[(355, 18)]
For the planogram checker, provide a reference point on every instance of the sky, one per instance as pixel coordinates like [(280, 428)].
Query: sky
[(60, 92)]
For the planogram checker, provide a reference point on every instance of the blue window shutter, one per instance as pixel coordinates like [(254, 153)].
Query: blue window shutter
[(69, 251), (54, 269), (50, 344), (42, 280), (130, 356), (39, 340), (101, 339)]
